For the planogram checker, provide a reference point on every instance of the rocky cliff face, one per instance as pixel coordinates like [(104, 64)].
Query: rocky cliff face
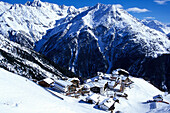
[(104, 38)]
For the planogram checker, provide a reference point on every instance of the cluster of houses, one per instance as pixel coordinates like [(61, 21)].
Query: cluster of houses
[(108, 88), (102, 90), (65, 86)]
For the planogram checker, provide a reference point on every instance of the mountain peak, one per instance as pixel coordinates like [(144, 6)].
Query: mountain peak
[(37, 0), (35, 3), (100, 5)]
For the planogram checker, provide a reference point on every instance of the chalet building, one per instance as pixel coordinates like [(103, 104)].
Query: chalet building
[(86, 87), (88, 81), (98, 87), (92, 99), (107, 77), (75, 81), (120, 72), (47, 82), (118, 85), (64, 86), (100, 74), (108, 104), (158, 98), (95, 98)]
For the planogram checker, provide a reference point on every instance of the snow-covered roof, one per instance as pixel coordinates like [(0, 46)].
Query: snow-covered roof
[(59, 87), (88, 80), (115, 75), (63, 83), (102, 82), (93, 97), (107, 76), (107, 102), (118, 86), (117, 71), (71, 79), (48, 80), (99, 83), (122, 77), (158, 96), (96, 97), (87, 86), (111, 84), (100, 74)]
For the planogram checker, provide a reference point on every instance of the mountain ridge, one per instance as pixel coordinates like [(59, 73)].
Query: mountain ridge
[(154, 24), (29, 22)]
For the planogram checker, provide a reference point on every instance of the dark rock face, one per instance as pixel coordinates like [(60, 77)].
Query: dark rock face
[(80, 54), (89, 60), (155, 70), (168, 35), (21, 38)]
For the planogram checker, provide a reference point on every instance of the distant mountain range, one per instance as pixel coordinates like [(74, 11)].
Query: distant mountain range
[(26, 24), (90, 39)]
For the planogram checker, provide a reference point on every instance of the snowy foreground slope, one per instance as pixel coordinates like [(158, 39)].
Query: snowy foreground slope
[(20, 95)]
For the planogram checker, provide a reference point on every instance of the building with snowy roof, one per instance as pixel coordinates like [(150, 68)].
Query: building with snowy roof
[(120, 71), (75, 81), (98, 87), (95, 98), (64, 86), (158, 98), (46, 82), (108, 104)]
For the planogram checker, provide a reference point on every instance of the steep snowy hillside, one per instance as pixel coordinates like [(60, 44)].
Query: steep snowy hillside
[(26, 24), (104, 38), (20, 95), (154, 24), (26, 62)]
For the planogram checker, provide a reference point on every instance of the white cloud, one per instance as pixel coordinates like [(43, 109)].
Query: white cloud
[(149, 17), (161, 2), (137, 10), (118, 6)]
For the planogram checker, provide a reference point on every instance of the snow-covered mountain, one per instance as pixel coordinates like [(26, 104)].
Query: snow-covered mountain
[(27, 63), (4, 7), (104, 38), (20, 95), (26, 24), (89, 39), (154, 24)]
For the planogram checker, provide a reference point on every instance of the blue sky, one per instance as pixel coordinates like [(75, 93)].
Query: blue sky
[(155, 9)]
